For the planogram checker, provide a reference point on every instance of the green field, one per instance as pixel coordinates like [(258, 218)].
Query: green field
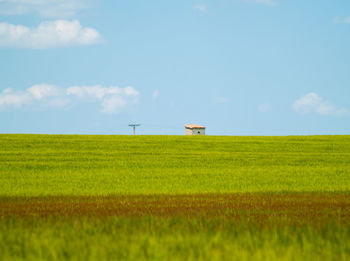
[(36, 165), (82, 197)]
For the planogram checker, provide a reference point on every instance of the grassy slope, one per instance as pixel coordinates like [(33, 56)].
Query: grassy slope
[(98, 165)]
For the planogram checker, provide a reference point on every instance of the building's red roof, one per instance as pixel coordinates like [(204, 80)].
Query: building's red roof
[(194, 126)]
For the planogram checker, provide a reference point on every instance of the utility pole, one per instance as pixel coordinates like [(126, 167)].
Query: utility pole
[(134, 127)]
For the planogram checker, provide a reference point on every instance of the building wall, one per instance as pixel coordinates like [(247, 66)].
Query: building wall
[(188, 131), (195, 131)]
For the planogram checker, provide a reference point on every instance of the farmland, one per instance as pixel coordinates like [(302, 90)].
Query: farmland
[(174, 197)]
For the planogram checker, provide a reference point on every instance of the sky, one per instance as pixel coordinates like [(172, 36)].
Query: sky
[(238, 67)]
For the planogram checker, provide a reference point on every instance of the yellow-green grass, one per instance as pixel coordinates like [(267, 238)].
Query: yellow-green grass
[(154, 238), (71, 197), (34, 165)]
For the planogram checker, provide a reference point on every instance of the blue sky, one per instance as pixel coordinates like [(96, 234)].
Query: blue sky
[(239, 67)]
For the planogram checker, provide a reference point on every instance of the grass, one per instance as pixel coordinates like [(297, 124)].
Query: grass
[(71, 197), (36, 165), (260, 226), (167, 239)]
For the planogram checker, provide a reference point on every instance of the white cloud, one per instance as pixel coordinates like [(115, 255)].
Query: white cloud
[(96, 91), (10, 98), (339, 20), (265, 107), (313, 103), (41, 91), (100, 92), (43, 94), (45, 8), (130, 91), (201, 7), (59, 33), (112, 99), (113, 104), (155, 94), (220, 99), (265, 2)]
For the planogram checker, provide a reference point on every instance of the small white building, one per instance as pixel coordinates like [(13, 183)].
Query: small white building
[(194, 129)]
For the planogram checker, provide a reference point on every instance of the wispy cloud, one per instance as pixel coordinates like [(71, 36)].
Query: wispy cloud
[(313, 103), (265, 2), (340, 20), (201, 7), (44, 8), (60, 33), (111, 99), (220, 99), (264, 107), (155, 94)]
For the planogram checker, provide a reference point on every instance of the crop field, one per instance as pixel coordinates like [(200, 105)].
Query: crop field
[(82, 197)]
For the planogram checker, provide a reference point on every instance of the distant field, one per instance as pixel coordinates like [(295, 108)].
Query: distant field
[(71, 197), (34, 165)]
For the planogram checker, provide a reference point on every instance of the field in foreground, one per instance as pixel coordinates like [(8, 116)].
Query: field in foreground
[(289, 226), (173, 197)]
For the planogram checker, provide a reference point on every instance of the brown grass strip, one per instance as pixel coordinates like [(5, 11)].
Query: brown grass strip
[(259, 207)]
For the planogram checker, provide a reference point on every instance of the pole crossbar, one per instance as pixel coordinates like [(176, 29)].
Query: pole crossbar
[(134, 127)]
